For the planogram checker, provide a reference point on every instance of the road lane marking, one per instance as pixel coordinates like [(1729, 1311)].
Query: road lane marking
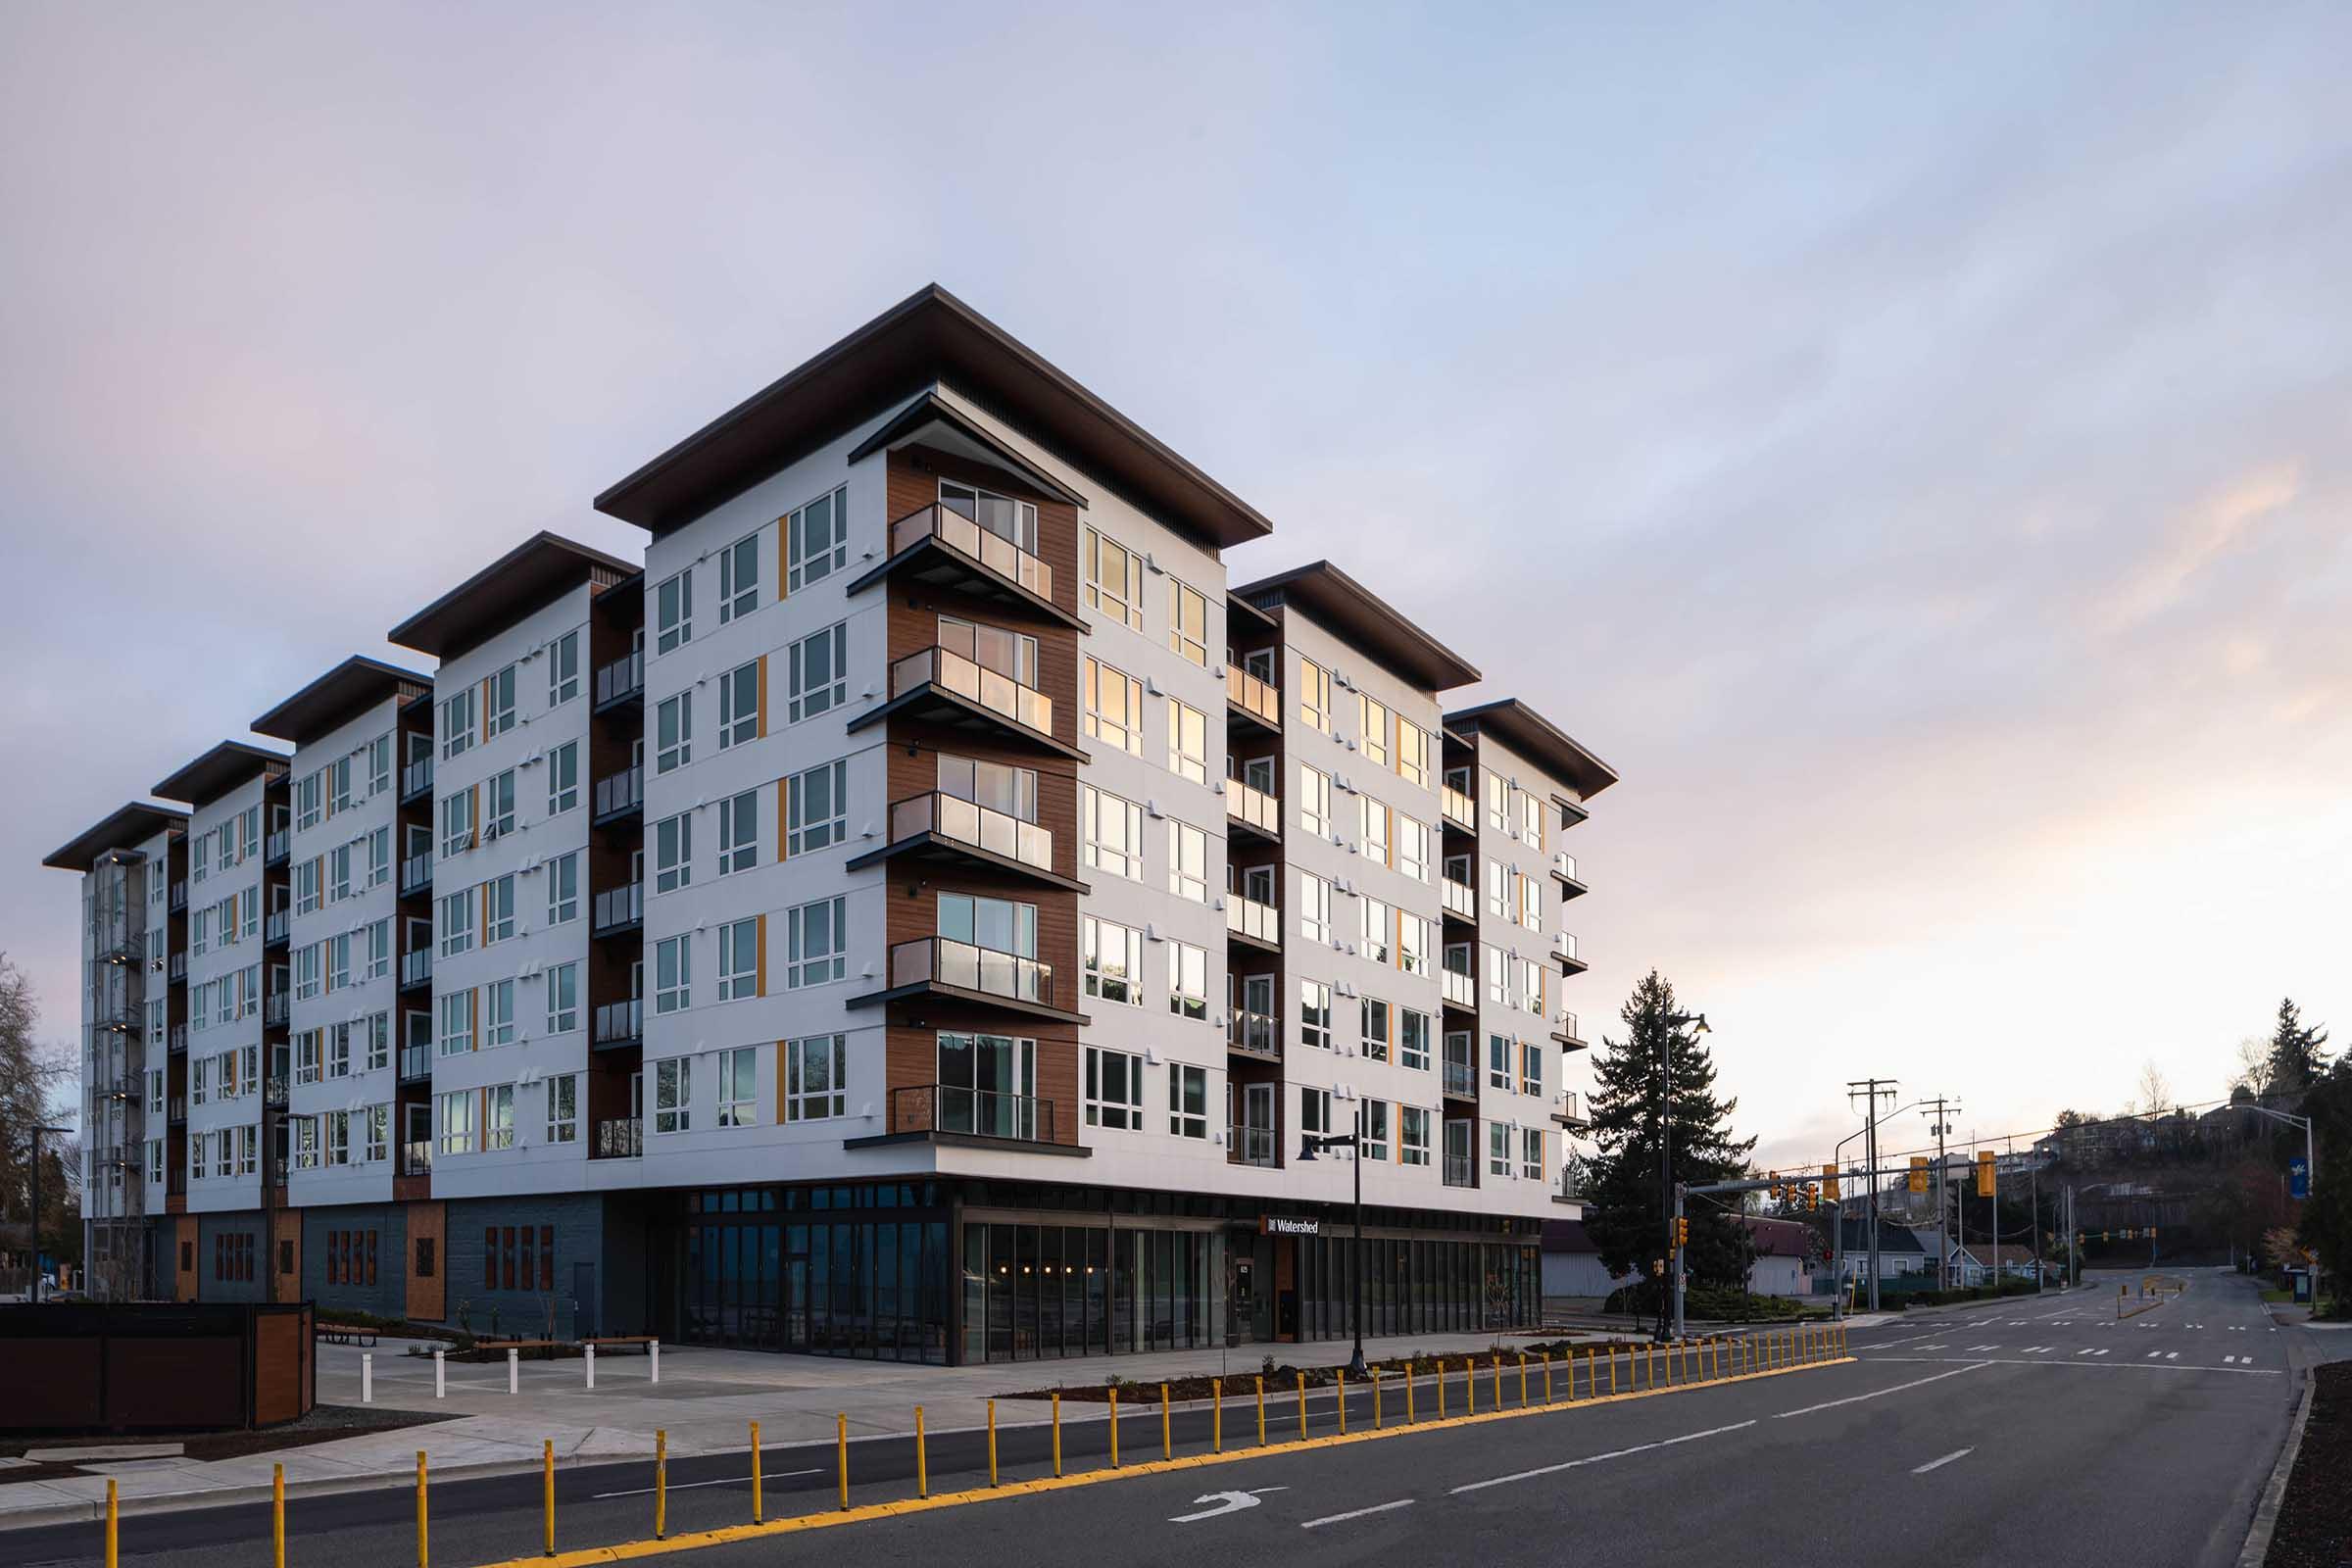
[(1595, 1458), (1938, 1464), (686, 1485), (1857, 1399), (1973, 1349), (1341, 1518), (1226, 1503), (2101, 1366)]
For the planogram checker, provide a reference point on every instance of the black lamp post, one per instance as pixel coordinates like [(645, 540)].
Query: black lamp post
[(1672, 1281), (1309, 1145)]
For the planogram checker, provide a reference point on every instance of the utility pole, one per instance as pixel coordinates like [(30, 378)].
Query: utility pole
[(1669, 1203), (1874, 1088), (1943, 1246)]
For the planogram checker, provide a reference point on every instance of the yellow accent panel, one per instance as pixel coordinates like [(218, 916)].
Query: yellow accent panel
[(761, 963)]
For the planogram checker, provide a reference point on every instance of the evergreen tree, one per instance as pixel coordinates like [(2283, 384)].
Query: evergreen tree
[(2295, 1060), (2326, 1223), (1625, 1211)]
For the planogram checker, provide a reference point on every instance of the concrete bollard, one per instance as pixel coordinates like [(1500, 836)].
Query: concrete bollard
[(653, 1354), (440, 1385), (590, 1358), (368, 1377), (513, 1371)]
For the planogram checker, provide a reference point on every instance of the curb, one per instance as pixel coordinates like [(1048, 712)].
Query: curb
[(2273, 1495), (95, 1512)]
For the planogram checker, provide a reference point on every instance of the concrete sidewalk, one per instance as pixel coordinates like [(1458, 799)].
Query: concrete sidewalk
[(705, 1401)]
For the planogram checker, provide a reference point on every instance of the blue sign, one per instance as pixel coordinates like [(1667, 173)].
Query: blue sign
[(2298, 1177)]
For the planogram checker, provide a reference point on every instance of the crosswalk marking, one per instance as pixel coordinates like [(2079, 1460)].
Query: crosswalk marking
[(2153, 1354), (2097, 1352), (1976, 1348), (2171, 1355)]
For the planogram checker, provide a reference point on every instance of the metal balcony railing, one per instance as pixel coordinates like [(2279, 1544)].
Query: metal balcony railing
[(180, 967), (180, 1037), (416, 874), (274, 1009), (1460, 1172), (417, 777), (620, 1138), (618, 908), (1244, 916), (416, 1062), (1458, 808), (983, 1112), (1258, 698), (180, 896), (274, 847), (416, 969), (966, 821), (1256, 1033), (274, 1092), (619, 1022), (275, 926), (1566, 1023), (1461, 1078), (1563, 946), (619, 792), (1459, 900), (955, 670), (1571, 1106), (416, 1157), (1249, 1146), (621, 679), (945, 961), (123, 948), (998, 554), (179, 1108), (1459, 988), (1253, 806)]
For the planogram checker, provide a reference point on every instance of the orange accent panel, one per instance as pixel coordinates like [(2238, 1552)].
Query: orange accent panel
[(763, 678), (783, 814), (762, 961)]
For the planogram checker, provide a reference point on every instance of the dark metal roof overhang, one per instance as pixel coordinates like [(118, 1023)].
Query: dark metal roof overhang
[(118, 830), (1543, 743), (220, 771), (931, 337), (526, 579), (338, 697), (1349, 610)]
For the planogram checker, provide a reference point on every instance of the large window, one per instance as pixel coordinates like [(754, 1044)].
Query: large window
[(1315, 1111), (1314, 907), (738, 961), (1412, 848), (1187, 1100), (1378, 923), (498, 806), (1110, 833), (1001, 925), (817, 538), (738, 1087), (739, 832), (673, 852), (457, 1122), (673, 1095), (1188, 861), (819, 676), (1114, 1089), (1188, 980), (1113, 960), (1113, 712), (1372, 821), (1531, 1068), (738, 705), (1314, 1015), (739, 579), (1188, 742), (562, 682), (817, 808), (1500, 1052), (498, 1013), (1014, 521), (457, 723), (497, 909), (1314, 695), (1188, 622), (1372, 728), (1314, 800), (457, 827), (457, 923), (456, 1023), (816, 1077), (673, 612), (987, 1084), (498, 1120), (564, 997), (816, 948), (563, 1110), (673, 973), (564, 777), (673, 732), (1413, 1136), (1412, 1039), (1372, 1124), (1412, 753), (498, 707), (1376, 1025), (563, 888), (1115, 580)]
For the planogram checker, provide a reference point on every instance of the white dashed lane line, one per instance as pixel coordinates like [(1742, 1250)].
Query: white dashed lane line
[(1359, 1513), (1613, 1454), (1938, 1464)]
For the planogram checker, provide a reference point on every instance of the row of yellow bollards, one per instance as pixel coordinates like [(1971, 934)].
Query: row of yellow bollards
[(1649, 1367)]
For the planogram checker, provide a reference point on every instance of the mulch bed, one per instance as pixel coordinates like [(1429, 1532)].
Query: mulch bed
[(324, 1424), (1283, 1377), (2315, 1521)]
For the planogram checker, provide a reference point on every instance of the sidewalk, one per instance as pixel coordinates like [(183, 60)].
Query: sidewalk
[(705, 1402)]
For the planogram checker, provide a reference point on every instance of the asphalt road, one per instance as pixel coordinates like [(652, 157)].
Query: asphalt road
[(2043, 1432)]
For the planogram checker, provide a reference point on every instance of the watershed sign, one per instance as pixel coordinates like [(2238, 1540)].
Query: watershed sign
[(1288, 1225)]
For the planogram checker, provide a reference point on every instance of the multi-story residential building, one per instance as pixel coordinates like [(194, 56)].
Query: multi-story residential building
[(927, 912)]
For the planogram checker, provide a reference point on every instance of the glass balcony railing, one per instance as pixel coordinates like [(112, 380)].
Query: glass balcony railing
[(1565, 1022), (416, 969), (998, 554), (417, 777), (623, 791), (952, 671), (1458, 808), (620, 1138), (984, 827), (1254, 697), (1571, 1106), (1459, 988), (1459, 900), (1253, 806), (616, 907), (416, 1064), (1461, 1078), (1244, 916), (945, 961), (1251, 1145), (275, 927), (1256, 1033), (1563, 947), (1563, 866), (416, 874), (416, 1157), (621, 679), (619, 1022), (985, 1112), (180, 896), (275, 846), (275, 1010), (1460, 1172)]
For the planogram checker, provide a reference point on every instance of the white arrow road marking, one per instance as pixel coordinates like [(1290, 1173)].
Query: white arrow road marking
[(1938, 1464), (1831, 1404), (1340, 1518), (1226, 1503), (1595, 1458)]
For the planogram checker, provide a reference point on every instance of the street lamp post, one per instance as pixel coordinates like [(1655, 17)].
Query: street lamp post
[(34, 1228), (1309, 1143), (1696, 1022), (2311, 1174)]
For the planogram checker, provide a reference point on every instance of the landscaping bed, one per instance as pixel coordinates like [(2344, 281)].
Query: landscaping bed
[(2315, 1520), (1283, 1375)]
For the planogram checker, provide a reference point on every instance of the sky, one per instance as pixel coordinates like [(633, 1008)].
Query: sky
[(1911, 445)]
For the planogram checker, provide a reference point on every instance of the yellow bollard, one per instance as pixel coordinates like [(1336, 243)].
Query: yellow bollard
[(1613, 1373), (1498, 1381), (547, 1494), (1115, 1428), (840, 1455), (1167, 1442), (1521, 1380), (278, 1515), (1469, 1386), (1339, 1378), (423, 1556), (759, 1502), (1440, 1390), (1261, 1413), (1412, 1417), (1302, 1408), (1058, 1434), (1547, 1377), (110, 1521), (922, 1458), (660, 1480), (992, 1443), (1216, 1415), (1376, 1399)]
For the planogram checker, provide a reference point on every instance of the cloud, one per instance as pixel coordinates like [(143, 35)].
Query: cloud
[(2209, 530)]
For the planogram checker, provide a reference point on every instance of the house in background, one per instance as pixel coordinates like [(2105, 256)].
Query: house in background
[(1572, 1266), (1970, 1263), (1900, 1251), (1785, 1254)]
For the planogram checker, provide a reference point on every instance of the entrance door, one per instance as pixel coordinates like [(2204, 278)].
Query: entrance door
[(584, 1300), (1257, 1124)]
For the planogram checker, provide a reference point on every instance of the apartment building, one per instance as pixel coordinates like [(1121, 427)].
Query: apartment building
[(925, 913)]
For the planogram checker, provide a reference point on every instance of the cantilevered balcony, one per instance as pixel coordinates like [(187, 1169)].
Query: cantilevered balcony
[(1460, 901), (275, 847), (942, 546), (621, 682), (942, 968), (417, 970), (619, 910), (947, 685), (1252, 701), (1563, 871), (956, 1114), (947, 830), (1569, 1109), (1458, 989), (415, 874), (1563, 948), (417, 780), (276, 928), (620, 1024), (1457, 809), (1251, 1145), (619, 796), (1460, 1078), (1255, 1034), (1564, 1029), (1255, 810), (1257, 924)]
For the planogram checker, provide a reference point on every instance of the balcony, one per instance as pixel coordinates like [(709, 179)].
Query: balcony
[(1563, 948), (417, 780), (1461, 903), (275, 848), (179, 1109), (416, 1157), (620, 683), (620, 1024), (1461, 1079), (949, 830), (943, 547), (1458, 989), (1569, 1109), (417, 970), (274, 1010), (416, 1064), (620, 1138), (180, 1037), (180, 896), (1249, 698), (619, 910), (416, 874), (1460, 1172), (946, 969), (620, 795), (1458, 810), (273, 1092), (1563, 871), (122, 949), (1251, 1145), (947, 685), (1256, 1033), (179, 968), (951, 1112), (275, 927), (1565, 1030), (1249, 806), (1247, 920)]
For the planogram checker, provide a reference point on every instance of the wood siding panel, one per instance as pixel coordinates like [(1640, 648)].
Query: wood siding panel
[(428, 1294)]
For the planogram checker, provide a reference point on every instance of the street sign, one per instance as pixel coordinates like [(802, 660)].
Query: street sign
[(1288, 1225), (2298, 1177)]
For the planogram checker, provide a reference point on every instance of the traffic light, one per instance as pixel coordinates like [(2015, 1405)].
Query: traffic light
[(1985, 1176), (1812, 1198), (1919, 1173), (1829, 1182), (1682, 1231)]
